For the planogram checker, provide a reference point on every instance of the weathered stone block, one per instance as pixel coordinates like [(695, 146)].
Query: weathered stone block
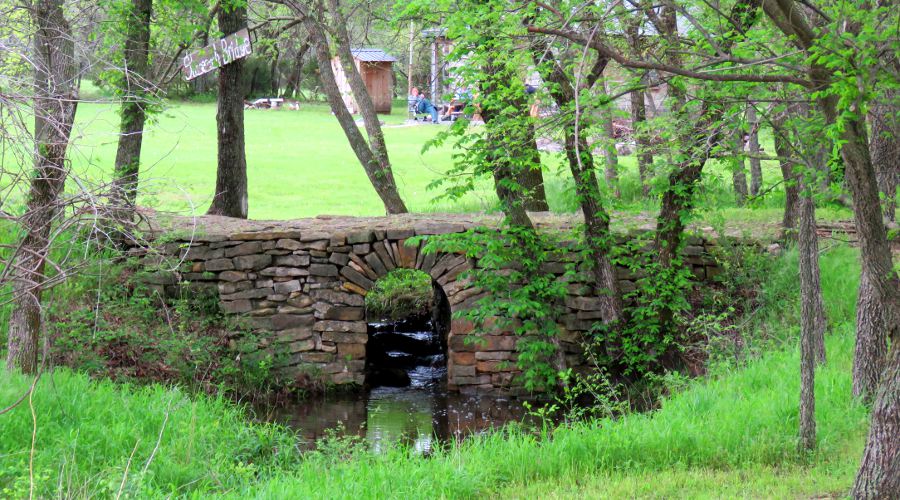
[(357, 278), (237, 306), (234, 286), (360, 237), (219, 265), (493, 355), (584, 303), (341, 326), (283, 271), (232, 276), (287, 287), (375, 264), (248, 248), (287, 244), (463, 371), (345, 313), (253, 293), (340, 259), (462, 358), (323, 270), (256, 261), (361, 248), (336, 297), (287, 321), (292, 260), (351, 351), (400, 234), (317, 357), (345, 337), (294, 334), (302, 346)]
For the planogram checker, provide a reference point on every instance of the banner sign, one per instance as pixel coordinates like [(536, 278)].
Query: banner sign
[(218, 54)]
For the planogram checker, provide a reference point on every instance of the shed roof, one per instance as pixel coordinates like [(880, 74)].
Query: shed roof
[(372, 55)]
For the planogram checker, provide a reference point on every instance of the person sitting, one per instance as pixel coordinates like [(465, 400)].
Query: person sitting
[(423, 105), (457, 105)]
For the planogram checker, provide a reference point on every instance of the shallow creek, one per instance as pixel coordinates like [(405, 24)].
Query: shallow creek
[(406, 400)]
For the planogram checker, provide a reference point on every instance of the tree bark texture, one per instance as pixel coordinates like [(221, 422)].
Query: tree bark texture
[(885, 148), (753, 147), (382, 181), (812, 306), (791, 186), (230, 198), (532, 179), (393, 204), (812, 313), (54, 112), (879, 473), (871, 341), (135, 89)]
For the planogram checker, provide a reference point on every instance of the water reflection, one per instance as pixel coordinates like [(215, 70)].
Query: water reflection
[(419, 418)]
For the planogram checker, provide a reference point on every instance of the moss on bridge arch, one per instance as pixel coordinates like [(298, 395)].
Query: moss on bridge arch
[(399, 294)]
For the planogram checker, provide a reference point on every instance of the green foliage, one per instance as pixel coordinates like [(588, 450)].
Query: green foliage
[(734, 431), (522, 294), (400, 294)]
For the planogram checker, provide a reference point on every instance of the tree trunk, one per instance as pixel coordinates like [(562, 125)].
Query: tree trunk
[(532, 178), (273, 73), (596, 219), (383, 182), (753, 146), (885, 148), (871, 341), (879, 473), (790, 182), (392, 203), (54, 112), (641, 140), (136, 81), (739, 172), (296, 77), (812, 311), (230, 198)]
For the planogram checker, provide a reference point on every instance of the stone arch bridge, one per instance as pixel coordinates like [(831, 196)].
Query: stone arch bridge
[(300, 286)]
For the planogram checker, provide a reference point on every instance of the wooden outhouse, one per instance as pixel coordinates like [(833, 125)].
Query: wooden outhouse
[(377, 70)]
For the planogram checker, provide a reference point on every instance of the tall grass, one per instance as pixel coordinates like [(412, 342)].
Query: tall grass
[(732, 427)]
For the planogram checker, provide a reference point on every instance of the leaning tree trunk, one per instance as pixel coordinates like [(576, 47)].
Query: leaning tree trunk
[(753, 149), (581, 163), (136, 81), (812, 312), (392, 203), (230, 197), (54, 111), (384, 185), (879, 473)]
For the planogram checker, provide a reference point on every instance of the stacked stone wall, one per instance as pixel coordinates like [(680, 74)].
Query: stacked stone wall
[(302, 294)]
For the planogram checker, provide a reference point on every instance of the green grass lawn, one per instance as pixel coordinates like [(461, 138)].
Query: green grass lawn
[(300, 165), (731, 434)]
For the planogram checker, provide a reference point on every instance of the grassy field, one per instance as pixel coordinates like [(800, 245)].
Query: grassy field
[(731, 434), (300, 165)]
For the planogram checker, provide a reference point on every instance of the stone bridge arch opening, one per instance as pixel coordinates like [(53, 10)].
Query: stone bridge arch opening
[(408, 320)]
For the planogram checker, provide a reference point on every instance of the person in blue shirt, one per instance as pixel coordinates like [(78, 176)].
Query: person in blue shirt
[(423, 105)]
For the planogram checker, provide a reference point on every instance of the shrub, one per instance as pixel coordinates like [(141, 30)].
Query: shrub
[(399, 294)]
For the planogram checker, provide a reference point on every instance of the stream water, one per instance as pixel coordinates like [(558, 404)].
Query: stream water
[(406, 401)]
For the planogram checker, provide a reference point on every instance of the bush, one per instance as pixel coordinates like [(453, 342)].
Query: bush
[(399, 294)]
